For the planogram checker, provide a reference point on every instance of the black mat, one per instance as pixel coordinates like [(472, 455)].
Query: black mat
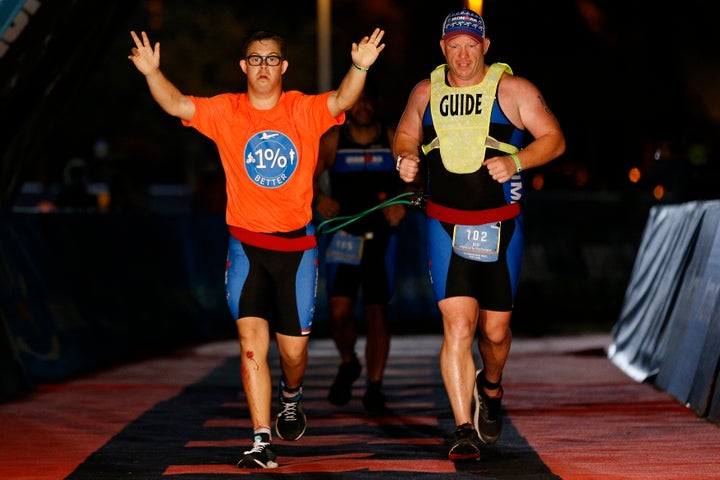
[(201, 433)]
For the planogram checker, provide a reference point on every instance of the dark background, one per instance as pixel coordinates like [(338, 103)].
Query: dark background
[(634, 84)]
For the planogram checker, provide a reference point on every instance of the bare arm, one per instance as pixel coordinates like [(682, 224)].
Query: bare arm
[(526, 108), (147, 60), (363, 56), (408, 135)]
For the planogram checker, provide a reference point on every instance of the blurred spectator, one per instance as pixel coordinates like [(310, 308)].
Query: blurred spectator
[(75, 194)]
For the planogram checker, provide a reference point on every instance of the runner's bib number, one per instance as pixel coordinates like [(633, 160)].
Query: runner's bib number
[(480, 243), (345, 248)]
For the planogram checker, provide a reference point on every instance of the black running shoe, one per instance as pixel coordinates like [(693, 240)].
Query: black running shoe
[(341, 390), (261, 455), (374, 402), (290, 423), (487, 416), (464, 444)]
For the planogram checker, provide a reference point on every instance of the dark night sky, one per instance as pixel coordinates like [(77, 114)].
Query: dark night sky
[(619, 75)]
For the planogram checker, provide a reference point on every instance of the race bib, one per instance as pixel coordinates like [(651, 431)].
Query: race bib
[(345, 248), (480, 243)]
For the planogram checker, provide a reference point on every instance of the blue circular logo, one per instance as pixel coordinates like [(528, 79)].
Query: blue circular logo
[(270, 158)]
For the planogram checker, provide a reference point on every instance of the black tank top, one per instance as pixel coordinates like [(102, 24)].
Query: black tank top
[(362, 177)]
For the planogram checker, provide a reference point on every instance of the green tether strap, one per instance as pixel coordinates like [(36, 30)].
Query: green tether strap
[(323, 228)]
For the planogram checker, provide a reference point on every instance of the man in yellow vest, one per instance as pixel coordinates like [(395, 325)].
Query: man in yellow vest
[(465, 127)]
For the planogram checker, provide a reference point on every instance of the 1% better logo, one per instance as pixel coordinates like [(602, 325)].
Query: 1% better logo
[(270, 158)]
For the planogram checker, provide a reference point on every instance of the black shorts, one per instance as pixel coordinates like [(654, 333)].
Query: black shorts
[(375, 274)]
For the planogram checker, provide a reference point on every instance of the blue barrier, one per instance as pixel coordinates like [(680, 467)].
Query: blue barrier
[(80, 291)]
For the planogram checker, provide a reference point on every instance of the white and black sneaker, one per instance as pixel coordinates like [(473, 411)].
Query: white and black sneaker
[(261, 455)]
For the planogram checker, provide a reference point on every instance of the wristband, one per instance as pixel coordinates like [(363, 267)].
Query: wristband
[(517, 162), (362, 69), (398, 162)]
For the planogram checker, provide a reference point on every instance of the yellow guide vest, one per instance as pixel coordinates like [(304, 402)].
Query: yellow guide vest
[(461, 117)]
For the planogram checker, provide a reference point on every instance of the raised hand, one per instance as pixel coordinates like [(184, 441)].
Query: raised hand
[(366, 52), (145, 57)]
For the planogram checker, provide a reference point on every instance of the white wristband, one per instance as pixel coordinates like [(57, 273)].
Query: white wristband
[(397, 162)]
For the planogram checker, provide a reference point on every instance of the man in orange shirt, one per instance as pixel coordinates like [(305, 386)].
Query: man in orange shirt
[(268, 141)]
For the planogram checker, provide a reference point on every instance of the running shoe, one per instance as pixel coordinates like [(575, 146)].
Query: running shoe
[(290, 423), (464, 444), (261, 455), (487, 416), (341, 390), (374, 402)]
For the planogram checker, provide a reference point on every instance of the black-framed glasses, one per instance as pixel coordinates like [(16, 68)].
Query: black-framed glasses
[(270, 60)]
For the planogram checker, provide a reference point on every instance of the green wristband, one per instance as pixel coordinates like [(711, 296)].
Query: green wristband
[(517, 162), (362, 69)]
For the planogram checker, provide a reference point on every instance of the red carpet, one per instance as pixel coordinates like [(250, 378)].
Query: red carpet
[(571, 414)]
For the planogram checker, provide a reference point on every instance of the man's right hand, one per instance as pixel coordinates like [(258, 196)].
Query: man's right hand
[(408, 166)]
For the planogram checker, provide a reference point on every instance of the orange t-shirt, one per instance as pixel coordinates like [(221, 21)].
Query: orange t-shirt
[(269, 156)]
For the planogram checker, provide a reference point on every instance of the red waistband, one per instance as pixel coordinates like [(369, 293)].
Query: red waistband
[(273, 242), (471, 217)]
